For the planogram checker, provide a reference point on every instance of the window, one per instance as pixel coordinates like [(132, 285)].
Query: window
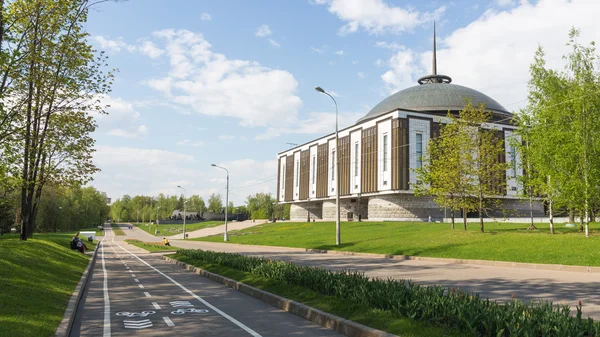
[(419, 150), (332, 165), (356, 159), (314, 168), (385, 152), (297, 172), (513, 157), (283, 179)]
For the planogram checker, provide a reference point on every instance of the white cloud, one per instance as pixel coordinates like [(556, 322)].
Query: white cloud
[(191, 143), (319, 50), (505, 3), (379, 63), (209, 83), (127, 170), (313, 123), (339, 52), (389, 45), (141, 130), (226, 137), (274, 43), (376, 16), (149, 49), (122, 120), (493, 53), (113, 45), (361, 74), (355, 62), (205, 17), (263, 31)]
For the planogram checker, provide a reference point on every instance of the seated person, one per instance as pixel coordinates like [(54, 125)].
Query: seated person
[(166, 242), (77, 243)]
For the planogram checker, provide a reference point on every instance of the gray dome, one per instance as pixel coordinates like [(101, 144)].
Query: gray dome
[(434, 97)]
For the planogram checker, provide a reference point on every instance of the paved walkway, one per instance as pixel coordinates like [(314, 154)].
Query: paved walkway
[(231, 226), (132, 292), (498, 283)]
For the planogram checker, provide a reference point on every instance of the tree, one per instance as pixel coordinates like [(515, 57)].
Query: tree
[(196, 204), (562, 123), (57, 90), (261, 205), (462, 169), (215, 203), (231, 208)]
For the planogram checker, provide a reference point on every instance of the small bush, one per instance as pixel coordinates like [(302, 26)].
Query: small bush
[(435, 304)]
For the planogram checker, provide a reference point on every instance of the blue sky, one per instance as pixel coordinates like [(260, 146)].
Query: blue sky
[(231, 82)]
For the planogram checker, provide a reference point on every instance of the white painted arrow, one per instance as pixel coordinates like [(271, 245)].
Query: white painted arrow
[(177, 304), (145, 323)]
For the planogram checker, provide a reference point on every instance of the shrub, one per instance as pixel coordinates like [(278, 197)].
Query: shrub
[(434, 304)]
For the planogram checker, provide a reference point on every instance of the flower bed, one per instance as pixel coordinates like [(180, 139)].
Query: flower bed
[(437, 305)]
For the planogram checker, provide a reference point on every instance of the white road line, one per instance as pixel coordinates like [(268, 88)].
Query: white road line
[(131, 271), (106, 330), (215, 309), (168, 321), (141, 286), (156, 306), (132, 275), (136, 280), (147, 294)]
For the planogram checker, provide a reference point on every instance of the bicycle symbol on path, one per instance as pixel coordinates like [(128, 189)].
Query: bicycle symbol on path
[(136, 314), (191, 310)]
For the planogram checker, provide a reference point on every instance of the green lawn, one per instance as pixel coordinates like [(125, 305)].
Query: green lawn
[(378, 319), (150, 246), (169, 229), (117, 229), (500, 242), (37, 278)]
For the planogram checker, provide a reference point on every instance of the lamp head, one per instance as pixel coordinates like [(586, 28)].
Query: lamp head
[(319, 89), (179, 186), (213, 165)]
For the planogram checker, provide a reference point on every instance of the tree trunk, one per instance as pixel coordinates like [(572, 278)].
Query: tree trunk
[(551, 217), (571, 215), (481, 212), (581, 221), (452, 210), (587, 220), (465, 218)]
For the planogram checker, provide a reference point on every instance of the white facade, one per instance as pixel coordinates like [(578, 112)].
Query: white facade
[(384, 156), (418, 138), (355, 162), (312, 185), (419, 134)]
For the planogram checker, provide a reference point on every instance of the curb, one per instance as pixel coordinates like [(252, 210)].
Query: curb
[(505, 264), (64, 329), (341, 325)]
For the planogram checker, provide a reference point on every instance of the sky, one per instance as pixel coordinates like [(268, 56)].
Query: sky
[(232, 82)]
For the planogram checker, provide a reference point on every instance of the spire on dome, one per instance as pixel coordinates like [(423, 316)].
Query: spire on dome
[(434, 77)]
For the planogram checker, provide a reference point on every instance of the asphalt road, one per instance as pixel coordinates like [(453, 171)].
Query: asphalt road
[(132, 292)]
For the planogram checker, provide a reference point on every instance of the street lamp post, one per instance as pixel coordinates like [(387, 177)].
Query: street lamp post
[(156, 231), (225, 236), (184, 214), (337, 171)]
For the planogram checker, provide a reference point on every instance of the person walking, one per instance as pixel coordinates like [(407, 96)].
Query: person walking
[(166, 242)]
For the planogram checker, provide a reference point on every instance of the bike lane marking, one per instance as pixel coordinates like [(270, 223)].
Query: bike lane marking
[(106, 329), (231, 319)]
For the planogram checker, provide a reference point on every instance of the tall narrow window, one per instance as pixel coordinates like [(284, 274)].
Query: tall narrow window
[(332, 165), (385, 152), (297, 172), (314, 169), (356, 159), (513, 157), (419, 150), (283, 179)]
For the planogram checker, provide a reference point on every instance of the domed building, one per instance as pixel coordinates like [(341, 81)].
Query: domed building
[(378, 153)]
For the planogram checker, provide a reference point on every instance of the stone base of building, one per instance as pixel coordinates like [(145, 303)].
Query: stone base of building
[(401, 207)]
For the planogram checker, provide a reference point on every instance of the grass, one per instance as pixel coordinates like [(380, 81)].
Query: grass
[(378, 319), (500, 242), (37, 279), (151, 246), (117, 229), (173, 229)]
